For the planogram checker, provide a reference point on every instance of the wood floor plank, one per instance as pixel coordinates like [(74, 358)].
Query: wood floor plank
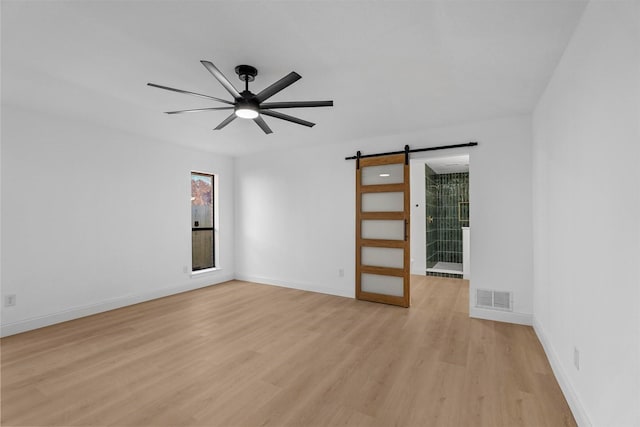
[(243, 354)]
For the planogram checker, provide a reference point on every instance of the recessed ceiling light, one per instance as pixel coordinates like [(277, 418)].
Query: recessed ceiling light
[(385, 174)]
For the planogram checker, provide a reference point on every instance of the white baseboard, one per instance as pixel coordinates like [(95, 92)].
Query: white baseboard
[(110, 304), (501, 316), (296, 285), (576, 406)]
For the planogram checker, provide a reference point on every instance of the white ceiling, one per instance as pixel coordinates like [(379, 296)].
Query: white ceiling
[(450, 164), (390, 66)]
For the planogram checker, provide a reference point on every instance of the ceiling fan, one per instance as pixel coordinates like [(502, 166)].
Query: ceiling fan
[(248, 105)]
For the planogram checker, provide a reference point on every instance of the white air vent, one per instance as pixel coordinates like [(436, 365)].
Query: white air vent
[(495, 300), (484, 298)]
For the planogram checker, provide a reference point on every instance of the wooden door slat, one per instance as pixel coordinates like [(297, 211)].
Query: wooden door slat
[(385, 299), (382, 160), (383, 215), (382, 188), (384, 271), (379, 243)]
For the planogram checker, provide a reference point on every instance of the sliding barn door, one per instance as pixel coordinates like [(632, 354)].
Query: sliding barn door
[(382, 230)]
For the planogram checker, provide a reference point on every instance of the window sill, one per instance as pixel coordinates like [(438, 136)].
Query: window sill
[(205, 271)]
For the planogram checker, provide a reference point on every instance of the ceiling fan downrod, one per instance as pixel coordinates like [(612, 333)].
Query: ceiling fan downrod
[(246, 73)]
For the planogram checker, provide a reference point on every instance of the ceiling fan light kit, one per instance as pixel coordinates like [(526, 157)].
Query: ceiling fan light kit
[(246, 104), (246, 112)]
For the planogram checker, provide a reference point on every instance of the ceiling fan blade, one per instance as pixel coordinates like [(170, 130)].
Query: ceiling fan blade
[(226, 121), (287, 80), (221, 78), (286, 117), (263, 125), (296, 104), (197, 110), (189, 93)]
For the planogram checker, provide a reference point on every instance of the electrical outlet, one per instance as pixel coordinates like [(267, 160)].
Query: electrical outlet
[(9, 300), (576, 358), (341, 272)]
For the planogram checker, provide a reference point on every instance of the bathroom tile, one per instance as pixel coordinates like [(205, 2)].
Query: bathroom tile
[(444, 193)]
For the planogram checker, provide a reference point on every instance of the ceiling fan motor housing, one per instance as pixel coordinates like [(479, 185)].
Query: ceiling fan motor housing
[(247, 101)]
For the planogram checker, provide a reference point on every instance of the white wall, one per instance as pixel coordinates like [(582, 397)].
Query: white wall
[(93, 218), (586, 210), (295, 219), (296, 211)]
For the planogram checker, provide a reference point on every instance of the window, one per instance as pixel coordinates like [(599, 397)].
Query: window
[(202, 222)]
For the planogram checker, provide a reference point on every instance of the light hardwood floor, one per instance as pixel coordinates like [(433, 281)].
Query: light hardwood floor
[(242, 354)]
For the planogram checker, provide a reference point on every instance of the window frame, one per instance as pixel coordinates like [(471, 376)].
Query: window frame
[(215, 223)]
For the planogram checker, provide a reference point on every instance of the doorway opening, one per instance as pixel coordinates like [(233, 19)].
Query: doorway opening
[(447, 207)]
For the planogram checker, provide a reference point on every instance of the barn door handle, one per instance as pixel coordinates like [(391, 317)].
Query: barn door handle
[(406, 235)]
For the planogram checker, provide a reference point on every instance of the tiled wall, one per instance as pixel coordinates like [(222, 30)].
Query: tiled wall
[(447, 201), (431, 212)]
